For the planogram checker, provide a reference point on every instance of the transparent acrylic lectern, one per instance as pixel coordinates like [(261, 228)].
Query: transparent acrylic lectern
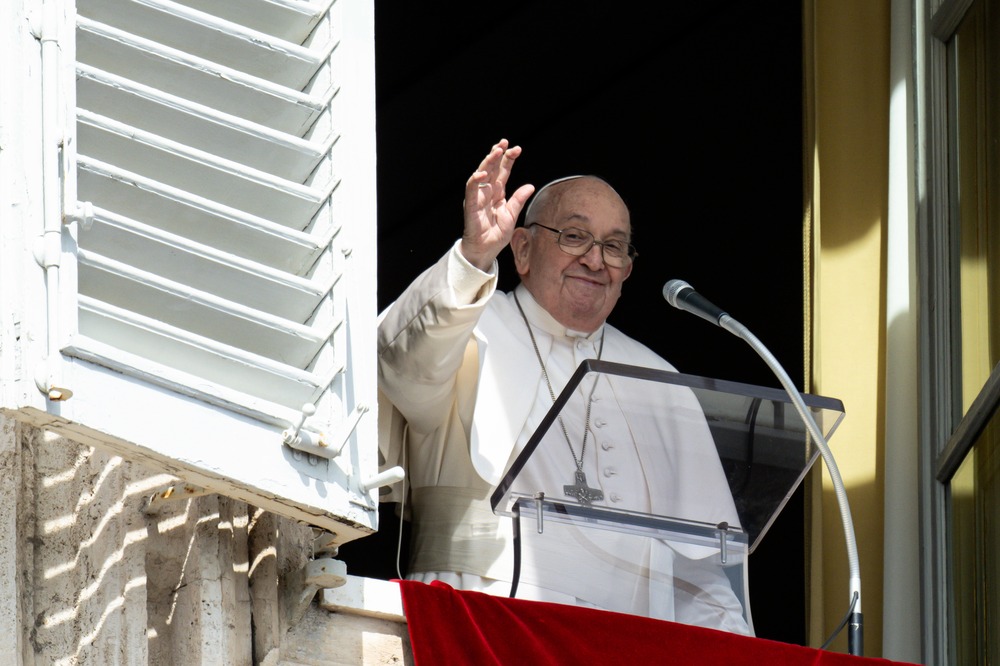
[(655, 512)]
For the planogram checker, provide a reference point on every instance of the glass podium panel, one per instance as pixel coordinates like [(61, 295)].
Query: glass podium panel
[(679, 480)]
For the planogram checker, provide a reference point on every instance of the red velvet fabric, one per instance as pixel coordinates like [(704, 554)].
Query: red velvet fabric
[(449, 626)]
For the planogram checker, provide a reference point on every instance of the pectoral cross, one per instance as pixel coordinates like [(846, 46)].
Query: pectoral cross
[(581, 491)]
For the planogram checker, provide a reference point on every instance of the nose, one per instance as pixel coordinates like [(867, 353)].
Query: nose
[(594, 257)]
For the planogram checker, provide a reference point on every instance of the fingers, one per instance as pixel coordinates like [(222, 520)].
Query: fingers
[(495, 168), (489, 216), (506, 163), (517, 200), (485, 191), (493, 158), (486, 173)]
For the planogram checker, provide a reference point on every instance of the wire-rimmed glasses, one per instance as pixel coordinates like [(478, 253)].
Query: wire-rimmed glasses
[(577, 242)]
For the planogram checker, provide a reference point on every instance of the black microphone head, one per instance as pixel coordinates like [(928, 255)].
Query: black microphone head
[(682, 296), (672, 289)]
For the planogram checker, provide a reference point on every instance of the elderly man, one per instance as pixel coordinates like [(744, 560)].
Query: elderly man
[(467, 373)]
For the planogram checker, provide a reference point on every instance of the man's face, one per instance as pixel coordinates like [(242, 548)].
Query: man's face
[(579, 292)]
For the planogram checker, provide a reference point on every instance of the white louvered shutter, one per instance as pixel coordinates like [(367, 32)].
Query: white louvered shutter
[(215, 286)]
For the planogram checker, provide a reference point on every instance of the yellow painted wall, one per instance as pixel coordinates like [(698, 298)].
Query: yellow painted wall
[(847, 123)]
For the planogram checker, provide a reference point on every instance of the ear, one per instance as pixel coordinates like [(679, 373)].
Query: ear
[(627, 270), (520, 247)]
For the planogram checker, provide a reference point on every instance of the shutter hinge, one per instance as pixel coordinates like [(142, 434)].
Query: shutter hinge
[(317, 443)]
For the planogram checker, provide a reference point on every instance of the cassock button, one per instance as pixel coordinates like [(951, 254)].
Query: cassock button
[(607, 446), (615, 497), (610, 471), (600, 423)]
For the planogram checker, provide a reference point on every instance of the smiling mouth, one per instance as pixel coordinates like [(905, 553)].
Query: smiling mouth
[(588, 280)]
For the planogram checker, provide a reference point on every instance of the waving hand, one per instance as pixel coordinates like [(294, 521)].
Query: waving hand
[(489, 215)]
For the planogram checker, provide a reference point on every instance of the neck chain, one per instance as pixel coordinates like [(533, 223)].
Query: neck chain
[(580, 490)]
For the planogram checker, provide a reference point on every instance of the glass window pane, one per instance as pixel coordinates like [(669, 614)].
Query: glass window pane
[(974, 490), (975, 516)]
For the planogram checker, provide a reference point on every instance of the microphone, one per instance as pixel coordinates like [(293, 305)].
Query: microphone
[(681, 295)]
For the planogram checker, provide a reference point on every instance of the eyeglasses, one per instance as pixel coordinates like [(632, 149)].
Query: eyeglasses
[(616, 253)]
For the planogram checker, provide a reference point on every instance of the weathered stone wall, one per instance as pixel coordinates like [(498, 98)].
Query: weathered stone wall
[(91, 572)]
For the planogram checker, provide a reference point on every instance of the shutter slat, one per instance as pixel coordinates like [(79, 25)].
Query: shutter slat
[(175, 72), (248, 283), (200, 312), (292, 20), (195, 171), (199, 218), (198, 125), (200, 34), (123, 340)]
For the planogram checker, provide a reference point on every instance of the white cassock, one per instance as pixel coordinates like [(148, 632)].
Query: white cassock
[(463, 390)]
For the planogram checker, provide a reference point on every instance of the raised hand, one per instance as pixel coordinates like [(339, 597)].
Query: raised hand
[(490, 216)]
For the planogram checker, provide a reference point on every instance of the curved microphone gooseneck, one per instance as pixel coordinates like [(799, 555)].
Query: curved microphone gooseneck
[(683, 297)]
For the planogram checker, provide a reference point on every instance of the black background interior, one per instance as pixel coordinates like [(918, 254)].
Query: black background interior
[(692, 110)]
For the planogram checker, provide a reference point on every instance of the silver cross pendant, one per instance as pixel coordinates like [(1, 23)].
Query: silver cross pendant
[(581, 491)]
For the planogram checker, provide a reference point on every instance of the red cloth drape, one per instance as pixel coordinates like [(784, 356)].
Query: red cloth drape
[(453, 627)]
